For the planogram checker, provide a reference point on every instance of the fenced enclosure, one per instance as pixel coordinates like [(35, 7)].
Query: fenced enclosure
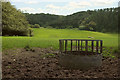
[(81, 54), (67, 45)]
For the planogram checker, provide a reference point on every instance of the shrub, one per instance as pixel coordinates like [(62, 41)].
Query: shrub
[(49, 27), (69, 27), (30, 32), (36, 26), (82, 28)]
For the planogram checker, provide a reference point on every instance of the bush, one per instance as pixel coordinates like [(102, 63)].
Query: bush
[(107, 52), (49, 27), (30, 32), (69, 27), (36, 26), (82, 28)]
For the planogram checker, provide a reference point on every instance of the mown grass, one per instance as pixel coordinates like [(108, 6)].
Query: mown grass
[(45, 38)]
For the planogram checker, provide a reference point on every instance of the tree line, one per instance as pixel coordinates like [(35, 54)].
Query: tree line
[(15, 22), (102, 20)]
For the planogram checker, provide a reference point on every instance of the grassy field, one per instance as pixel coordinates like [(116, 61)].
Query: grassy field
[(45, 38)]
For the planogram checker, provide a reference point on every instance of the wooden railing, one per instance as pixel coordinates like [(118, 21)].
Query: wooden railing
[(80, 45)]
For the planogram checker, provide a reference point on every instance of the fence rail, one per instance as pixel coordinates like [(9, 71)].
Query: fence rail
[(80, 45)]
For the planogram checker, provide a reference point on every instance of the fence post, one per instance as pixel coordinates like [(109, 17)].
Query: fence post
[(92, 46), (100, 46), (86, 47), (78, 45), (65, 45), (97, 46), (61, 43), (71, 45), (81, 45)]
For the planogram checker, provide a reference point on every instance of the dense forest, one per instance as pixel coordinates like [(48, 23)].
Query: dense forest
[(102, 20)]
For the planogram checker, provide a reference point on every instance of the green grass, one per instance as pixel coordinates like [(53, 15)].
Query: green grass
[(45, 38)]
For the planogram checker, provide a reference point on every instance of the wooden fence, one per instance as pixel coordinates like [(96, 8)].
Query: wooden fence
[(80, 45)]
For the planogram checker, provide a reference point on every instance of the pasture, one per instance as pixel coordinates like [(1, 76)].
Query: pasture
[(46, 38)]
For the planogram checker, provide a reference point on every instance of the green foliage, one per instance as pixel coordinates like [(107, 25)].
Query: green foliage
[(42, 19), (28, 48), (30, 32), (102, 20), (91, 25), (35, 26), (105, 20), (116, 51), (110, 52), (49, 27), (48, 55), (13, 21), (69, 27), (82, 28)]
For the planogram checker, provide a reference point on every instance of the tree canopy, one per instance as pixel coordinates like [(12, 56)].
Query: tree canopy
[(102, 20), (13, 21)]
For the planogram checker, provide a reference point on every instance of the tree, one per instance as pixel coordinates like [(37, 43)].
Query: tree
[(92, 25), (13, 21)]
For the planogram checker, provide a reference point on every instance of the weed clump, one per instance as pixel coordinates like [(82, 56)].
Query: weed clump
[(28, 48), (48, 55)]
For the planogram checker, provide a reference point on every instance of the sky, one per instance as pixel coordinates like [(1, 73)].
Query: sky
[(62, 7)]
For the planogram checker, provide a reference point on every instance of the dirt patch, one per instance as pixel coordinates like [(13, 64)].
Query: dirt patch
[(43, 63)]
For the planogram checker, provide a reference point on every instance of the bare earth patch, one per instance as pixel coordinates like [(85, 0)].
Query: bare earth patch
[(43, 63)]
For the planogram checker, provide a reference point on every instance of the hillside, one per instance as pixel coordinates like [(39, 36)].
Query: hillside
[(43, 19), (101, 20)]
